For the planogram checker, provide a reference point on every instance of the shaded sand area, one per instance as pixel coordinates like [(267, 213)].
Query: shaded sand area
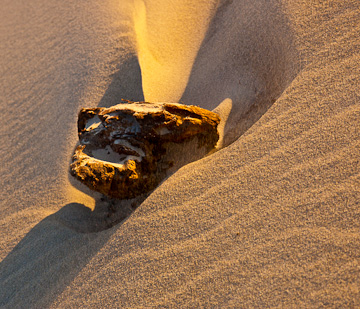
[(271, 219)]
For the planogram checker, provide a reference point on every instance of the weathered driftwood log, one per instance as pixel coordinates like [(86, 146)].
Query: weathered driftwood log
[(128, 149)]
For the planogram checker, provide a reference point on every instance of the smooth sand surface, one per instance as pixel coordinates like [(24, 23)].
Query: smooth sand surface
[(270, 220)]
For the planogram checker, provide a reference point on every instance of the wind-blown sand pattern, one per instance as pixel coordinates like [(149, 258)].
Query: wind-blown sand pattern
[(270, 220)]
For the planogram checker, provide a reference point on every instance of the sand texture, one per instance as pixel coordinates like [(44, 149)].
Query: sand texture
[(270, 220)]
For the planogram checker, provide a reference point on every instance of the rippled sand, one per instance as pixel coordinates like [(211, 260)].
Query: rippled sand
[(271, 219)]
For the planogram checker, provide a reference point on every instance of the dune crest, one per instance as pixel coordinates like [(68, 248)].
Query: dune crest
[(168, 37)]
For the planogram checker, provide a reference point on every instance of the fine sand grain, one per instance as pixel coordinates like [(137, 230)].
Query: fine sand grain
[(270, 220)]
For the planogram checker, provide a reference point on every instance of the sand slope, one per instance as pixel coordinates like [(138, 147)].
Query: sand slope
[(270, 220)]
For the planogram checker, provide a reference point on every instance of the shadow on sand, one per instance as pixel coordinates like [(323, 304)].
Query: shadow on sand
[(54, 253), (51, 255), (126, 83), (250, 61), (254, 69)]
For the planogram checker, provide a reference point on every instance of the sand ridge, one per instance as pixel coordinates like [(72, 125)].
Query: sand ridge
[(269, 220)]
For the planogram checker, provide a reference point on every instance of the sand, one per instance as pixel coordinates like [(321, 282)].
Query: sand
[(269, 220)]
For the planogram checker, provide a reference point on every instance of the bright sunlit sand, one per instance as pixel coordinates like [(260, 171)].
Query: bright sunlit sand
[(269, 220), (168, 37)]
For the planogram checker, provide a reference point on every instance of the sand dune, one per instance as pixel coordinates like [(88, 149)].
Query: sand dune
[(168, 35), (270, 220)]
